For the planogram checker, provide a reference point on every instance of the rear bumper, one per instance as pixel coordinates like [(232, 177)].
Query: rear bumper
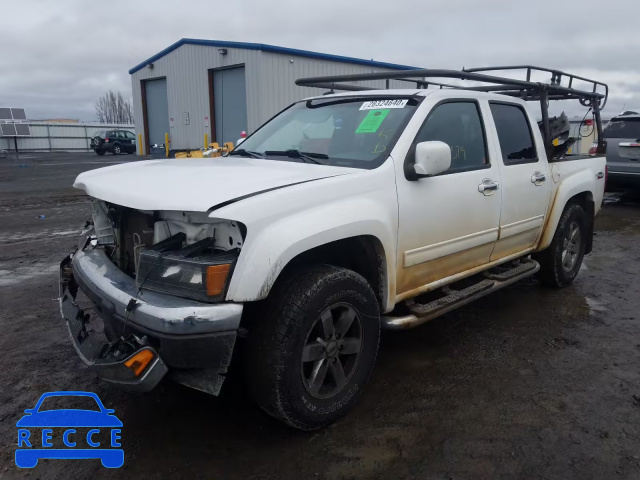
[(191, 341)]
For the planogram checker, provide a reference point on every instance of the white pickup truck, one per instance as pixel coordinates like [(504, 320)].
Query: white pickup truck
[(344, 214)]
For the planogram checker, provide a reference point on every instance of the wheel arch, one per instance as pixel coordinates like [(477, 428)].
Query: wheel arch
[(364, 254), (585, 199)]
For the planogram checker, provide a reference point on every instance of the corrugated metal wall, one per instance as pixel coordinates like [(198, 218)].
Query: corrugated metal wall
[(269, 85), (58, 137), (187, 72), (279, 73)]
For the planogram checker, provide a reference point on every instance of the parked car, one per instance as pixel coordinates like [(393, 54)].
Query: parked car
[(622, 135), (114, 141), (344, 214)]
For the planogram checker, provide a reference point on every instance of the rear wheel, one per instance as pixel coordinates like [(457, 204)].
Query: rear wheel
[(100, 152), (561, 261), (310, 357), (117, 149)]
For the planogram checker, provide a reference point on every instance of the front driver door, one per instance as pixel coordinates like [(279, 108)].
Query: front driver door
[(449, 223)]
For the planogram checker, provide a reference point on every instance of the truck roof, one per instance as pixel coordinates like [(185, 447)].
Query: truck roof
[(376, 93), (412, 92)]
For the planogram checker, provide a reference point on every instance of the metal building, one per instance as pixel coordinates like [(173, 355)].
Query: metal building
[(218, 88)]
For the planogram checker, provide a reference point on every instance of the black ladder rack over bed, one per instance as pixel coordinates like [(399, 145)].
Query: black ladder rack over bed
[(594, 97)]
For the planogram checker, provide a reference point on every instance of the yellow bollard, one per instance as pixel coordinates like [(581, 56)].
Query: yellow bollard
[(140, 146), (206, 140), (166, 144)]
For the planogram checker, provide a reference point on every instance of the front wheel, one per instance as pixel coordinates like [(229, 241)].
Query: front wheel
[(561, 261), (313, 352)]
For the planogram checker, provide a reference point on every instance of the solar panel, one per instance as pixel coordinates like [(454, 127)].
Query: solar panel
[(22, 130), (5, 114), (8, 129), (18, 114)]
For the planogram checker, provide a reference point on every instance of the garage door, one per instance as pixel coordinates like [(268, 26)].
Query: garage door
[(157, 110), (230, 104)]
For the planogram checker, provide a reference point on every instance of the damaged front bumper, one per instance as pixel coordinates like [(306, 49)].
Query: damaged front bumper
[(190, 341)]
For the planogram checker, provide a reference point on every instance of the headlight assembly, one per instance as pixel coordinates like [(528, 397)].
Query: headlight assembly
[(197, 271)]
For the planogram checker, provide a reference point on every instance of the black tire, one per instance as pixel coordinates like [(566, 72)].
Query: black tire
[(276, 371), (100, 152), (117, 149), (561, 261)]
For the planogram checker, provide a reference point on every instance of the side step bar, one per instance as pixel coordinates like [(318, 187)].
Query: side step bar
[(494, 280)]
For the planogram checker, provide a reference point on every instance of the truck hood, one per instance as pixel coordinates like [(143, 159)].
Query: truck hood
[(196, 185)]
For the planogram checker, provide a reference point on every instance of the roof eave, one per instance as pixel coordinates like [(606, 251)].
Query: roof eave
[(268, 48)]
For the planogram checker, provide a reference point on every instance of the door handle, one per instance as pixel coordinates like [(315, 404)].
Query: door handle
[(488, 186), (538, 177)]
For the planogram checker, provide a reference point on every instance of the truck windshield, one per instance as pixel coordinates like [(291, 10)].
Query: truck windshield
[(351, 132)]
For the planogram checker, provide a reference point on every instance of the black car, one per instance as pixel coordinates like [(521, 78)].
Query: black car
[(114, 141)]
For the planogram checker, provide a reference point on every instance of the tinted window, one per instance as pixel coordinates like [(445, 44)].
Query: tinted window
[(516, 141), (628, 128), (129, 135), (458, 125)]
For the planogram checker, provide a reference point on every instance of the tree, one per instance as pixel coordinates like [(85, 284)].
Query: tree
[(113, 108)]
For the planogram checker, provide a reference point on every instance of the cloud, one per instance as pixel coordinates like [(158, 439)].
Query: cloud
[(64, 55)]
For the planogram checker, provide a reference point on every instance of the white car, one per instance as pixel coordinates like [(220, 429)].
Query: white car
[(344, 214)]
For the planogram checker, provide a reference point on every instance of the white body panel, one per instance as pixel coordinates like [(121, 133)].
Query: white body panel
[(446, 224), (286, 222), (429, 231), (195, 184)]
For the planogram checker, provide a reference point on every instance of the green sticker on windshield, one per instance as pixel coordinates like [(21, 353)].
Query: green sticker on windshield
[(372, 121)]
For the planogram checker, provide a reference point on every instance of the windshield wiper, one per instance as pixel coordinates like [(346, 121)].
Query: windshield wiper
[(246, 153), (308, 157)]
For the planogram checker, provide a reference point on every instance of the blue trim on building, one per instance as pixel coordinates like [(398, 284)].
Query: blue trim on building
[(268, 48)]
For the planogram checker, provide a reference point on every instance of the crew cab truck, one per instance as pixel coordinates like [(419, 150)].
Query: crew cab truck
[(344, 214)]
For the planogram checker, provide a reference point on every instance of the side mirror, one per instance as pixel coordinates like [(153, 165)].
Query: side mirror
[(432, 158)]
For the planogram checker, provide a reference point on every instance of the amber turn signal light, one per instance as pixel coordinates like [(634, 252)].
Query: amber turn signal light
[(217, 278), (139, 361)]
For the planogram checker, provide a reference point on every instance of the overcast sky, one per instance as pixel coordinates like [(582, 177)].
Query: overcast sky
[(59, 57)]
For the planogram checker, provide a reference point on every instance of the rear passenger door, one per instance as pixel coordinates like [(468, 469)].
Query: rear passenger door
[(448, 223), (525, 179)]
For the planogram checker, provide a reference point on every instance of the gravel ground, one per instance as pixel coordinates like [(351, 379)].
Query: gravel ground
[(528, 383)]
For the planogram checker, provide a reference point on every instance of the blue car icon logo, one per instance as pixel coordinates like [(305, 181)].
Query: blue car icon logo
[(84, 431)]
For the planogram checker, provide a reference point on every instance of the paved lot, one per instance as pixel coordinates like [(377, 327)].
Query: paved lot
[(528, 383)]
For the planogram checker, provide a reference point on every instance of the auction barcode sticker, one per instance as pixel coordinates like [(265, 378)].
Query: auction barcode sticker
[(375, 104)]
